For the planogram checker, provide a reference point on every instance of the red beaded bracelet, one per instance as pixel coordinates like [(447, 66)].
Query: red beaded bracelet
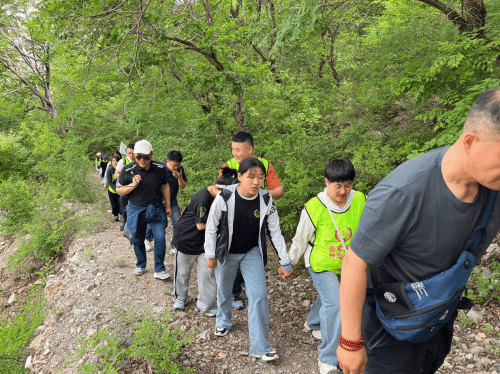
[(350, 345)]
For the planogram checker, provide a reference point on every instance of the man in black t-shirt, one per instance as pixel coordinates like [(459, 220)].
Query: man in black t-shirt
[(189, 240), (145, 182)]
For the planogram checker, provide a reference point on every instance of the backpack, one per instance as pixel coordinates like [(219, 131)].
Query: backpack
[(415, 312)]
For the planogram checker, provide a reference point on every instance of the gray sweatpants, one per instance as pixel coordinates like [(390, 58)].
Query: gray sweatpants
[(207, 289)]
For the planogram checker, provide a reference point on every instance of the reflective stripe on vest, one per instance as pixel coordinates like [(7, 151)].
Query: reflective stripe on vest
[(113, 178), (233, 164), (327, 252)]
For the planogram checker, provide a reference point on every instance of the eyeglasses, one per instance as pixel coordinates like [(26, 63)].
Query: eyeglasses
[(140, 157)]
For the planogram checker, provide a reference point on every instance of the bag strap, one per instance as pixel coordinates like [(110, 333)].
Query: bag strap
[(478, 234), (337, 228)]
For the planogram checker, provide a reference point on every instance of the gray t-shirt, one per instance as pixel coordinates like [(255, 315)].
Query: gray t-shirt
[(414, 226)]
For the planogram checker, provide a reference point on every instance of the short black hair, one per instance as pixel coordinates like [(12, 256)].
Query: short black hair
[(243, 137), (131, 145), (228, 177), (250, 163), (340, 170), (486, 107), (174, 156), (116, 152)]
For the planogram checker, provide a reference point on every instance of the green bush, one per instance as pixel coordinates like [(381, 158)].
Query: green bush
[(17, 205), (54, 222), (17, 332), (151, 340)]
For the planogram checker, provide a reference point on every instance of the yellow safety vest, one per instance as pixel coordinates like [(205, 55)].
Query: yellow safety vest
[(328, 252), (233, 164), (113, 178)]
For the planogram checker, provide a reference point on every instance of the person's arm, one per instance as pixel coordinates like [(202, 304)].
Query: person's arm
[(352, 298), (182, 179), (278, 241), (274, 186), (123, 190), (166, 195), (304, 234), (220, 171), (201, 226), (211, 230)]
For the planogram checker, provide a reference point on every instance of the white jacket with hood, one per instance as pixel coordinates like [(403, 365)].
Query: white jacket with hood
[(306, 232)]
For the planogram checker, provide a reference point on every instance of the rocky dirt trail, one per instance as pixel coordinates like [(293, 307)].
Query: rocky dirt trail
[(97, 273)]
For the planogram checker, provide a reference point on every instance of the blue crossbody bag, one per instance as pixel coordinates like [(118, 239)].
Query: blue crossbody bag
[(415, 312)]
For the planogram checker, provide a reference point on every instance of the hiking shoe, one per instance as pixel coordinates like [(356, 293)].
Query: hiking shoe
[(148, 244), (270, 356), (315, 333), (219, 331), (325, 368), (237, 303), (161, 275), (180, 304), (209, 313), (115, 218), (139, 271)]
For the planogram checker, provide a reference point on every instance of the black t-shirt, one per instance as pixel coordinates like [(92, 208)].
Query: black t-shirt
[(149, 191), (187, 238), (173, 182), (246, 224)]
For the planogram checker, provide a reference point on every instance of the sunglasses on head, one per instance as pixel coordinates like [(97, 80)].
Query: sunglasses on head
[(141, 157)]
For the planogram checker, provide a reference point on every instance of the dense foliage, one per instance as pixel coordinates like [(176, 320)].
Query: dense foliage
[(378, 82)]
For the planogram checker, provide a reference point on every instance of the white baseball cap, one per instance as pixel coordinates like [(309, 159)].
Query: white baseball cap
[(98, 154), (143, 146)]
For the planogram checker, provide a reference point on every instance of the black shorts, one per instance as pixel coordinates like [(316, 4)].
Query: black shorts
[(386, 355)]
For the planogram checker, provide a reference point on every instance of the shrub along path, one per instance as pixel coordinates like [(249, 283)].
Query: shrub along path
[(95, 284)]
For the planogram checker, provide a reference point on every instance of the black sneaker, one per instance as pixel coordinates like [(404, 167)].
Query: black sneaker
[(219, 331)]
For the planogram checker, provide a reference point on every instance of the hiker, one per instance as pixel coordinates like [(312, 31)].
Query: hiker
[(176, 179), (102, 173), (189, 240), (235, 238), (417, 223), (114, 198), (327, 224), (124, 198), (145, 181), (242, 146), (97, 161)]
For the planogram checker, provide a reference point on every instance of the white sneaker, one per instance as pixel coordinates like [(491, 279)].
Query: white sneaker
[(317, 334), (148, 245), (139, 271), (270, 356), (325, 368), (161, 275)]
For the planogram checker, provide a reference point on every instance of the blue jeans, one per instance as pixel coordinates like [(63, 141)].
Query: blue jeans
[(158, 229), (326, 311), (254, 275), (176, 213)]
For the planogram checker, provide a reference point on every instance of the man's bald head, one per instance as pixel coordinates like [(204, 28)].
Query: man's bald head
[(484, 115)]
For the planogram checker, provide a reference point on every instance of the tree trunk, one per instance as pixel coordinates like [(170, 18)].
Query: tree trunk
[(238, 112)]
